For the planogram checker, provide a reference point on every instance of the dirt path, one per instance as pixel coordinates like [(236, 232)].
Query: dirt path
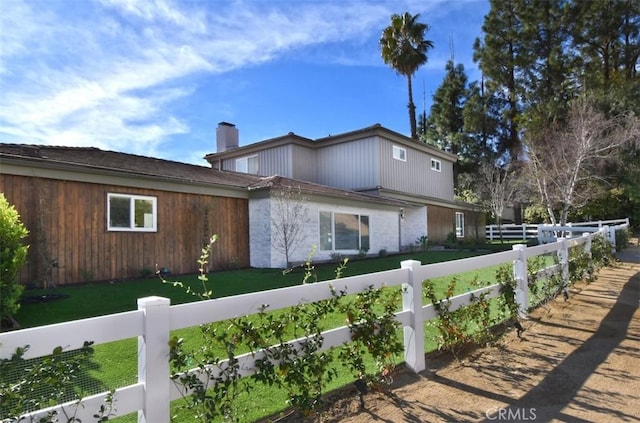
[(578, 361)]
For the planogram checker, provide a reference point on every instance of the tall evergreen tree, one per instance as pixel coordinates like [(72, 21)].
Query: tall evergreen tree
[(404, 48), (498, 54), (445, 124)]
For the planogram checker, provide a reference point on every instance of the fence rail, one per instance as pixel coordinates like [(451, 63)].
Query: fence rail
[(545, 233), (155, 318)]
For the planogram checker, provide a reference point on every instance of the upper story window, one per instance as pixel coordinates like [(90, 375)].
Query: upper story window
[(436, 165), (399, 153), (247, 164), (135, 213)]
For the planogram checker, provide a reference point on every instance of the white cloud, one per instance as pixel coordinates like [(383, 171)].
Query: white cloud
[(106, 72)]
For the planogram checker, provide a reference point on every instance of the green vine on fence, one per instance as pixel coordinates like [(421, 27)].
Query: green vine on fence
[(374, 332), (469, 325), (44, 382), (301, 368)]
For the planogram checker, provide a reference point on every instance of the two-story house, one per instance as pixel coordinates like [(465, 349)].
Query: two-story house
[(105, 215), (400, 190)]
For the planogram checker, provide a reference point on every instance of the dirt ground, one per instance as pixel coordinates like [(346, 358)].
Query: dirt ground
[(577, 361)]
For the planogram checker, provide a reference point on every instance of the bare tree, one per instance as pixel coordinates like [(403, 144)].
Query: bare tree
[(566, 160), (288, 218), (498, 187)]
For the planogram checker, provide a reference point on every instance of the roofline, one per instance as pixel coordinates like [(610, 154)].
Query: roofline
[(332, 192), (292, 138), (80, 172)]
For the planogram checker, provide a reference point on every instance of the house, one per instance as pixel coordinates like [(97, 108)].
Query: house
[(97, 215), (413, 177), (104, 215)]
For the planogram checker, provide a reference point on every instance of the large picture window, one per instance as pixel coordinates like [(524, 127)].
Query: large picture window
[(247, 165), (343, 231), (131, 213)]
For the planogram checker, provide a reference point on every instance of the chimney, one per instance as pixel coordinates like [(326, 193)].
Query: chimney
[(226, 136)]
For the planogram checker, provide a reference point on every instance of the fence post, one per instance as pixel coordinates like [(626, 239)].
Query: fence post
[(414, 333), (612, 238), (587, 245), (540, 228), (563, 257), (490, 232), (521, 278), (153, 360)]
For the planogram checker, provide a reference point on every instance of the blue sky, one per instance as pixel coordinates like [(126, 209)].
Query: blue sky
[(155, 77)]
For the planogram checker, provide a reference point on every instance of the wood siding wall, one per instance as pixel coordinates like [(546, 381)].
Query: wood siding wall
[(440, 222), (350, 166), (67, 226), (415, 176)]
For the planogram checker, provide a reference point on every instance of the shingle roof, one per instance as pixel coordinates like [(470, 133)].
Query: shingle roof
[(92, 158), (112, 161), (275, 182)]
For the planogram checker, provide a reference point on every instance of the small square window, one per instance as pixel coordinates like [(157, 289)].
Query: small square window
[(436, 165), (399, 153)]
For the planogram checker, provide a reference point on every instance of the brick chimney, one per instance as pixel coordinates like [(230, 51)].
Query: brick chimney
[(226, 136)]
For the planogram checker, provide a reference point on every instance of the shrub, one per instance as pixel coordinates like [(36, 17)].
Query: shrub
[(423, 242), (622, 239), (13, 254)]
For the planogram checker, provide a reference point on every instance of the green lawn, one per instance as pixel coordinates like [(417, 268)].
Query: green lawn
[(114, 364)]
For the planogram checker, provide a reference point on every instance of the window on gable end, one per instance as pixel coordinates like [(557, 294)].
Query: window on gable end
[(436, 165)]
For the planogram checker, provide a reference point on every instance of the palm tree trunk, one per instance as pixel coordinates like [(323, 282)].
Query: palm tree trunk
[(412, 110)]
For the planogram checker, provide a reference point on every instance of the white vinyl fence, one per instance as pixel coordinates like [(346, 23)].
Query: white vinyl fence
[(545, 233), (155, 318)]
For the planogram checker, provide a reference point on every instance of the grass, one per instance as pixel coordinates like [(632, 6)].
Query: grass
[(114, 364)]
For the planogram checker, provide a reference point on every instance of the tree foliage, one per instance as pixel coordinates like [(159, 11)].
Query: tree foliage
[(13, 255), (404, 48), (537, 58), (567, 160)]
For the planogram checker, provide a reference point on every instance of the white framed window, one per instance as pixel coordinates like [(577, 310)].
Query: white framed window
[(436, 165), (131, 213), (247, 164), (459, 225), (343, 231), (399, 153)]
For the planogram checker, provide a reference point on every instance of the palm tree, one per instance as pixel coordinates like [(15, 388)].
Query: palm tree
[(404, 48)]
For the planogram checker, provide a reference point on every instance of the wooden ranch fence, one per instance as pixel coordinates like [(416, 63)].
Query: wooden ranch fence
[(155, 318)]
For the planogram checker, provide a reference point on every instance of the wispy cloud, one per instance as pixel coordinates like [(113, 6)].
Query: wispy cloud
[(105, 72)]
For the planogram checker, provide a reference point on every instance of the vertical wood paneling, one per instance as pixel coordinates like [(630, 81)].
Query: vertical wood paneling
[(440, 222), (67, 222)]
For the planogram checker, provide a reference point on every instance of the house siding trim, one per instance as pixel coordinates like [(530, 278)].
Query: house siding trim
[(80, 173)]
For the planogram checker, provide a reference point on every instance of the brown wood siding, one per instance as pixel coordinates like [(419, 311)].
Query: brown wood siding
[(440, 222), (67, 226), (474, 223)]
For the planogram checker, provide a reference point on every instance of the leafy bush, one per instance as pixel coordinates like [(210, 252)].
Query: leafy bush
[(622, 239), (423, 242), (13, 254)]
